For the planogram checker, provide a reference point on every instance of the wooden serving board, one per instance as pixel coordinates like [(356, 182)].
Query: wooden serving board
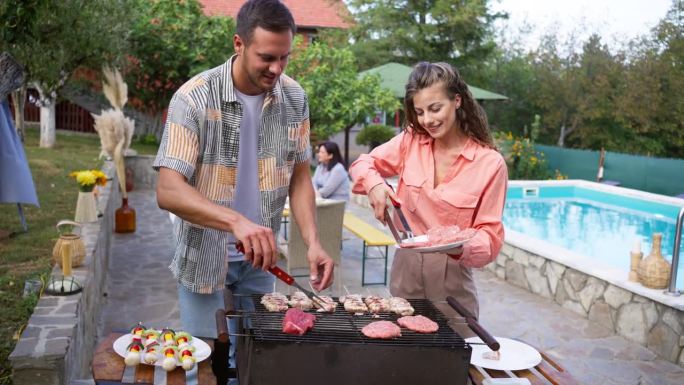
[(108, 367)]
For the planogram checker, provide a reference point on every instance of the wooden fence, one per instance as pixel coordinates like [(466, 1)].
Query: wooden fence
[(69, 116)]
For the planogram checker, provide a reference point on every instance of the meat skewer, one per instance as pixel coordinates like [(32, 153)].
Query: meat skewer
[(401, 306), (274, 302), (353, 303), (328, 305), (300, 301)]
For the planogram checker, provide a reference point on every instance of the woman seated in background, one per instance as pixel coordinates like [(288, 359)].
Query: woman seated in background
[(331, 180)]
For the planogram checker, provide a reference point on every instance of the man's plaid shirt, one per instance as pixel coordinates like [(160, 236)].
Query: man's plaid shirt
[(201, 141)]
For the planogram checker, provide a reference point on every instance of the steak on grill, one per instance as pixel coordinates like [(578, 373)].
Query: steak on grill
[(418, 323), (297, 322), (381, 329)]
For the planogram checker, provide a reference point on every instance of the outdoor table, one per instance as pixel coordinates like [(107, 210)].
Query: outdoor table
[(547, 371), (108, 367)]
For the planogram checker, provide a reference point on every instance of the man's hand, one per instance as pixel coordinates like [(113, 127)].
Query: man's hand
[(320, 266), (258, 242)]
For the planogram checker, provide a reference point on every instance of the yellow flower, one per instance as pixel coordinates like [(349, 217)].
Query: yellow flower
[(87, 179)]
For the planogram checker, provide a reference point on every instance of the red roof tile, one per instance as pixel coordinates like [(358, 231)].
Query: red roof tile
[(307, 13)]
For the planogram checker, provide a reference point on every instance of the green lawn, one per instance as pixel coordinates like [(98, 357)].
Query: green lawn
[(28, 255)]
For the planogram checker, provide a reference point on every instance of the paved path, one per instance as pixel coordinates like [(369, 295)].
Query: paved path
[(140, 288)]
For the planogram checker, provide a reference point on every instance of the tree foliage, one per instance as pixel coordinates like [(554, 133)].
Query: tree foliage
[(433, 30), (171, 41), (338, 98), (590, 96), (52, 39)]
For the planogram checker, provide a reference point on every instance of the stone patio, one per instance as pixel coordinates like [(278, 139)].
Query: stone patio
[(127, 280), (140, 288)]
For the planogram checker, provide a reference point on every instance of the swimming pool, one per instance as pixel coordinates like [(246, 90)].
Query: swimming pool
[(594, 221)]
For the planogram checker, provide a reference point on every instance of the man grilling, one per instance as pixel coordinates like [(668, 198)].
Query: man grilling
[(236, 142)]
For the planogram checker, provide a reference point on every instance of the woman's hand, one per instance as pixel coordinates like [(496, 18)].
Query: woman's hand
[(377, 197)]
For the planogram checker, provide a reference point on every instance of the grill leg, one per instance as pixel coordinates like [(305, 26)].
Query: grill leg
[(363, 265), (386, 257)]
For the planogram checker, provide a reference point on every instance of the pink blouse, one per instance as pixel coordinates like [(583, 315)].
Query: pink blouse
[(472, 194)]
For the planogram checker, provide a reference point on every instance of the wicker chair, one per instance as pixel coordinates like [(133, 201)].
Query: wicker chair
[(329, 214)]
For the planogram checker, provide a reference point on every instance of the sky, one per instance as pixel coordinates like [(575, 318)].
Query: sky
[(614, 20)]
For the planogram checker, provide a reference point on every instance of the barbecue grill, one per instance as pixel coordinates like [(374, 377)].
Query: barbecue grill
[(336, 352)]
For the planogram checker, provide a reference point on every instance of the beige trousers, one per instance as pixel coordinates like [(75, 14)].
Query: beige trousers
[(434, 276)]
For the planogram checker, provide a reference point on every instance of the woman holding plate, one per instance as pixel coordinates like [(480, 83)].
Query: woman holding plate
[(450, 173)]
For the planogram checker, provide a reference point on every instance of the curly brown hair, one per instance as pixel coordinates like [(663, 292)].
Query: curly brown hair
[(470, 116)]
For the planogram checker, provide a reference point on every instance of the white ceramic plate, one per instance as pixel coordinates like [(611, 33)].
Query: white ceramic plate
[(430, 249), (515, 355), (201, 353)]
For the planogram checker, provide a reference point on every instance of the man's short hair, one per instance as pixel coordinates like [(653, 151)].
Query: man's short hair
[(271, 15)]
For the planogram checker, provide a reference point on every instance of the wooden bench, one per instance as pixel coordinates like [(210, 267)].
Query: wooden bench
[(548, 371), (371, 237), (108, 368)]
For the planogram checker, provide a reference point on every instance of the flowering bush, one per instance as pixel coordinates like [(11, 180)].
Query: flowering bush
[(87, 179), (522, 160)]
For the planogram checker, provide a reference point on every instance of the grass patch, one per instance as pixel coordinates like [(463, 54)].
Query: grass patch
[(29, 255)]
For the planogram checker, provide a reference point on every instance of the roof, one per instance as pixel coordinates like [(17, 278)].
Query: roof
[(394, 77), (307, 13)]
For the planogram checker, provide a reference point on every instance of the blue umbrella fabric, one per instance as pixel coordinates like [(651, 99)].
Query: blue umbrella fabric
[(16, 183)]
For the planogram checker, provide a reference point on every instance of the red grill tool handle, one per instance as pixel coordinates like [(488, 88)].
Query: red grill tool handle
[(275, 270), (281, 275), (473, 324)]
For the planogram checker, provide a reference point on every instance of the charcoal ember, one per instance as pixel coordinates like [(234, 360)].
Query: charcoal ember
[(297, 322), (381, 330), (418, 323)]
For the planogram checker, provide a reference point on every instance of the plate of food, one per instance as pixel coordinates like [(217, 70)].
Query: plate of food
[(438, 239), (512, 355), (166, 348)]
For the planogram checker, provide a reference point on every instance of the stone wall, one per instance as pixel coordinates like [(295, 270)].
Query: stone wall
[(650, 323), (58, 342)]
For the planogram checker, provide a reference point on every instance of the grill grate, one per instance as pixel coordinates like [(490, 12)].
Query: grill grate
[(345, 328)]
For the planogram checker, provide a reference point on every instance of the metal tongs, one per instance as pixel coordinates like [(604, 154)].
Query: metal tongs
[(285, 277), (404, 223)]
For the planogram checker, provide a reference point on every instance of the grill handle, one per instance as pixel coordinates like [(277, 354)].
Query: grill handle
[(473, 324)]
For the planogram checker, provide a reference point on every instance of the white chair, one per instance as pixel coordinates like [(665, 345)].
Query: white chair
[(329, 219)]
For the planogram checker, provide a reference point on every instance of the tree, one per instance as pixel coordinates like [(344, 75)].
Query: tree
[(338, 98), (650, 102), (433, 30), (54, 38), (171, 41)]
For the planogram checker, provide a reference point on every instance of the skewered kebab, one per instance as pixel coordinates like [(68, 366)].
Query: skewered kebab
[(152, 346), (328, 305), (133, 353), (401, 306), (185, 350), (300, 301), (135, 348), (170, 362), (353, 303), (274, 302), (377, 304)]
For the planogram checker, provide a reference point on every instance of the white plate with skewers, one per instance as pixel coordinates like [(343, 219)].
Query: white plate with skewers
[(201, 353)]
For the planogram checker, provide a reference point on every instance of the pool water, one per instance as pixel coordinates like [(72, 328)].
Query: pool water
[(592, 223)]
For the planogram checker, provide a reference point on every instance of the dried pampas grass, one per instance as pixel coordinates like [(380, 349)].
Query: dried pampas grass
[(115, 129)]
